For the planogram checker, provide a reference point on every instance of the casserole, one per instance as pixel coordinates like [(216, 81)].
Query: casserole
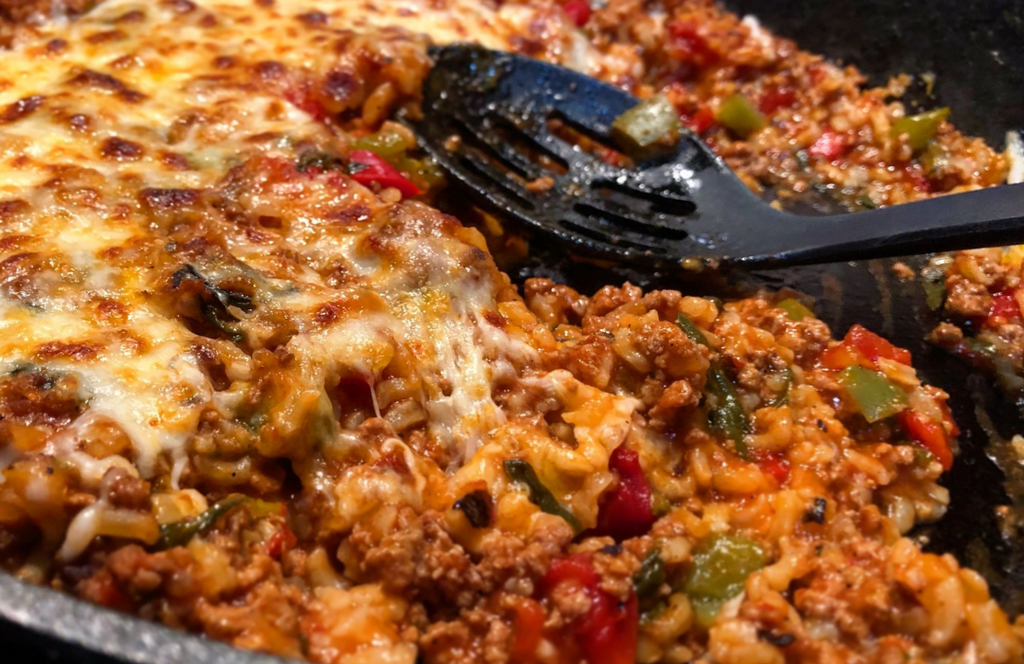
[(337, 331)]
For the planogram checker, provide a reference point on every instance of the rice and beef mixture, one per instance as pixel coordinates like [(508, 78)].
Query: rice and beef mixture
[(979, 294), (253, 386), (793, 122), (786, 118)]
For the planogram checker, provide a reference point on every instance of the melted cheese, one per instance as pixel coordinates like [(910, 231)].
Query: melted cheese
[(160, 139)]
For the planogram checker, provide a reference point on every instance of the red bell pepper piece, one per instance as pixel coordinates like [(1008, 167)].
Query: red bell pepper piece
[(300, 96), (1004, 308), (366, 167), (578, 11), (930, 435), (773, 99), (773, 464), (625, 510), (281, 542), (864, 347), (607, 632), (528, 628), (577, 568), (873, 346), (829, 146), (701, 121), (839, 357), (686, 44)]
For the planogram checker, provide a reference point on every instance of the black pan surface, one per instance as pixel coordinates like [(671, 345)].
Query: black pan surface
[(976, 50)]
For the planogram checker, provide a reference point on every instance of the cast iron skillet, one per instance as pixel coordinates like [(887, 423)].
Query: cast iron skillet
[(976, 49)]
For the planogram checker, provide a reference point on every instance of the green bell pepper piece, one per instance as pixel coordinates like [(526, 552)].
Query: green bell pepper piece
[(387, 144), (876, 396), (649, 577), (521, 471), (920, 129), (933, 281), (783, 398), (180, 533), (650, 127), (795, 309), (691, 330), (740, 116), (982, 347), (209, 312), (721, 565), (728, 418), (934, 291)]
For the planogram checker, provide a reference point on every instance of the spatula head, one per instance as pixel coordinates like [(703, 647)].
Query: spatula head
[(532, 141)]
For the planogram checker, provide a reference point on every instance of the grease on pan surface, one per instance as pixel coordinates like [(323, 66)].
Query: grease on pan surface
[(255, 387)]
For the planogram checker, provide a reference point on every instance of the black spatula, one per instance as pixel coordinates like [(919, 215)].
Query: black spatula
[(488, 122)]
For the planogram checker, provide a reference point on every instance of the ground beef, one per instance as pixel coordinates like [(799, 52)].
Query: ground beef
[(477, 636), (419, 559), (967, 298), (124, 490), (946, 335)]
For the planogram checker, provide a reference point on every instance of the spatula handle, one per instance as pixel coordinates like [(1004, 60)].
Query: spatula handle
[(985, 218)]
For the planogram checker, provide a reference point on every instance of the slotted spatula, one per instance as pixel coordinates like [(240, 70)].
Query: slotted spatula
[(487, 121)]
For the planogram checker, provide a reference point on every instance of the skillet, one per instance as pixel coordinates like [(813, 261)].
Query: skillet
[(976, 50)]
